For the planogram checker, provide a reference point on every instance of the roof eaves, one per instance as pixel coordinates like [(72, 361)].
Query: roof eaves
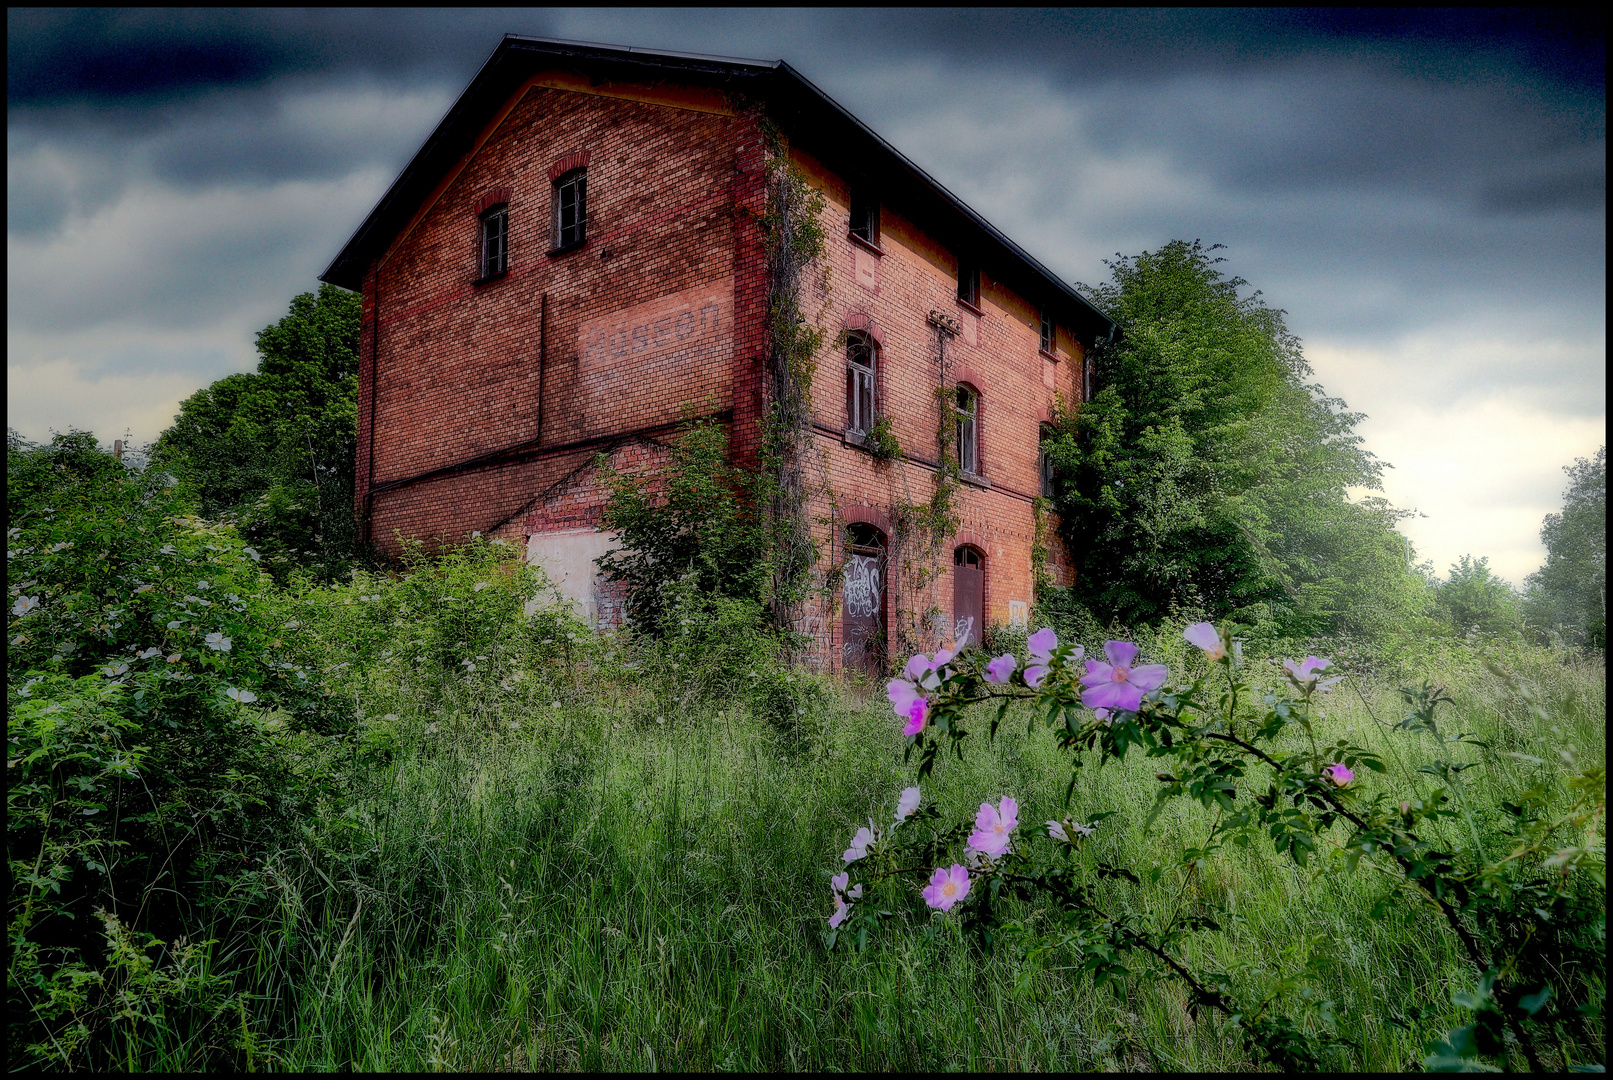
[(846, 116)]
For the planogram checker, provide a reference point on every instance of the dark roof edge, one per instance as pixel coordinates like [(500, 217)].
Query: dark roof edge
[(344, 271), (1068, 290)]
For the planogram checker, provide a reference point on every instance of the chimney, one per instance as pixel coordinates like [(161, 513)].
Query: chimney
[(117, 449)]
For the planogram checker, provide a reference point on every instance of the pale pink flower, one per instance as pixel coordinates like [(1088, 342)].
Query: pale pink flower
[(998, 670), (860, 844), (947, 887), (993, 827), (1206, 637), (908, 803), (1105, 715), (842, 909), (1118, 685), (1307, 674)]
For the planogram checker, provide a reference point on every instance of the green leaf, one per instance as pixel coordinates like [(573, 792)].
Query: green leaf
[(1536, 1001)]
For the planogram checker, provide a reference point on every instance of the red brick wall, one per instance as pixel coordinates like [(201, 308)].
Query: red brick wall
[(571, 354), (454, 370), (998, 351)]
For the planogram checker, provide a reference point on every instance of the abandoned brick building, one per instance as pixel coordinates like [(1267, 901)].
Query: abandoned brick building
[(574, 257)]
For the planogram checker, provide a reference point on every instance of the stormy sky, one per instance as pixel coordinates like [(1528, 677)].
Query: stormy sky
[(1424, 192)]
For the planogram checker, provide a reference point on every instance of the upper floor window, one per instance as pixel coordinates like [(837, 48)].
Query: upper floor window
[(1044, 460), (1049, 332), (968, 430), (860, 382), (571, 209), (1088, 379), (968, 282), (864, 214), (495, 241)]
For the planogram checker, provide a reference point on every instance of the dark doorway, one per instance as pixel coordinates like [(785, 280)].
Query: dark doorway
[(968, 597), (862, 597)]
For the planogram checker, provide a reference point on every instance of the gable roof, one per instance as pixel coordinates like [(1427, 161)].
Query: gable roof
[(809, 118)]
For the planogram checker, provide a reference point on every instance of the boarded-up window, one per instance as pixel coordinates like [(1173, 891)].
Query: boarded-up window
[(862, 595), (968, 597)]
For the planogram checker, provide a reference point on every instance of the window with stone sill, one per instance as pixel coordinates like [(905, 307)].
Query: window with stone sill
[(571, 209), (861, 379), (495, 241), (1049, 333), (968, 283), (864, 223)]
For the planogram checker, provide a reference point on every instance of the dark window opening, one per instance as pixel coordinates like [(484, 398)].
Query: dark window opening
[(571, 209), (859, 385), (1049, 333), (968, 283), (864, 215), (966, 556), (968, 416), (1044, 461), (495, 242)]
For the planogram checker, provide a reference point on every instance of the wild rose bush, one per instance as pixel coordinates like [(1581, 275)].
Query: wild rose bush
[(1528, 923)]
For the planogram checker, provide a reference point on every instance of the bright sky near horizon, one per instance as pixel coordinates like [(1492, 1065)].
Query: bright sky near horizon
[(1424, 192)]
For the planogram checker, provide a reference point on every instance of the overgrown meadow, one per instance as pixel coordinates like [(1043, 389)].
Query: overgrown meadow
[(424, 818)]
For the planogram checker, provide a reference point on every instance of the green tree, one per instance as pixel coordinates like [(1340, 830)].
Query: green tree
[(1208, 472), (1473, 598), (275, 449), (690, 519), (1569, 593)]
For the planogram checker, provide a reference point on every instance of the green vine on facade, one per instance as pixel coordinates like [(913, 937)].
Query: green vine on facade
[(793, 239)]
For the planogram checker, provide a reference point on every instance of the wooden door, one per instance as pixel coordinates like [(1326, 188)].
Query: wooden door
[(968, 598), (862, 595)]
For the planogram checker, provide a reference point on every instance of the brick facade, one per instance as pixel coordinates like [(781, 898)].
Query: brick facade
[(483, 404)]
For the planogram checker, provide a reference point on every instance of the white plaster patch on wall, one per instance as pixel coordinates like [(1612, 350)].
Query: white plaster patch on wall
[(569, 558)]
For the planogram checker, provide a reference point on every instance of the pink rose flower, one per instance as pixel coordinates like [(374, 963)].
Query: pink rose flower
[(1001, 668), (1338, 774), (993, 827), (947, 887), (1118, 685)]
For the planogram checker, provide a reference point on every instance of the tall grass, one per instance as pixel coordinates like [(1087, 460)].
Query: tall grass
[(565, 873)]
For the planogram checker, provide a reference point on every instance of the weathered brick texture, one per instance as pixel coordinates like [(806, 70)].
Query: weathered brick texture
[(483, 404)]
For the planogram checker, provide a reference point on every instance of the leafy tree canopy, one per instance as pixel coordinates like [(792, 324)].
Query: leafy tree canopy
[(1473, 598), (276, 448), (1569, 593), (1209, 473)]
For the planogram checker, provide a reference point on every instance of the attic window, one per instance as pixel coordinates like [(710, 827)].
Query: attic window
[(495, 241), (571, 209), (968, 282), (864, 214), (1049, 332)]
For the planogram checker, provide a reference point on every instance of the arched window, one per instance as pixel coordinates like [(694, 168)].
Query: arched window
[(860, 383), (968, 431), (1044, 460)]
